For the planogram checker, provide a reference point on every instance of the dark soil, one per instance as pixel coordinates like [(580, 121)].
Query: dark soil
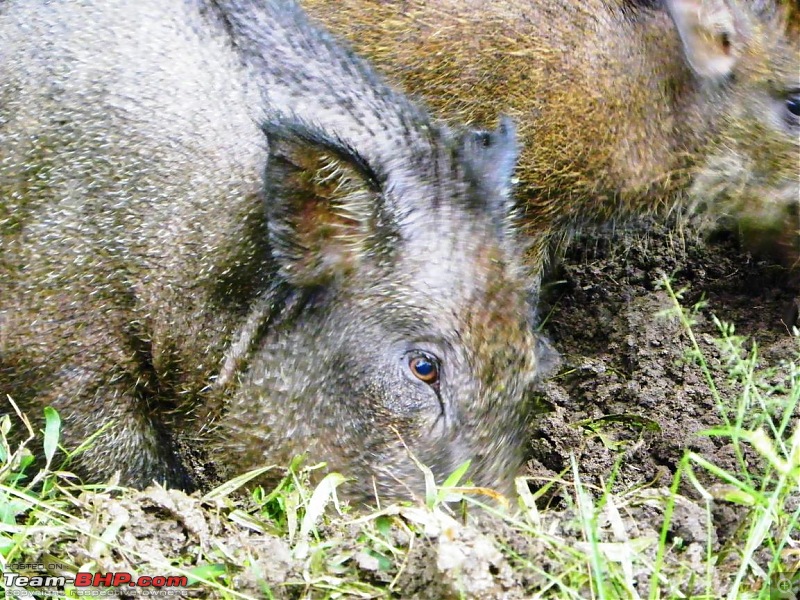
[(627, 398)]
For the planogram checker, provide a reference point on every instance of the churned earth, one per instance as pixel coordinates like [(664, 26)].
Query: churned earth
[(626, 382)]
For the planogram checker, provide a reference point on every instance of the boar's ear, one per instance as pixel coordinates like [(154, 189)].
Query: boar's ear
[(492, 157), (321, 200), (712, 38)]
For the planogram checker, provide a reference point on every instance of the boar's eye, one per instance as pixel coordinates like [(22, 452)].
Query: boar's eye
[(793, 106), (425, 368)]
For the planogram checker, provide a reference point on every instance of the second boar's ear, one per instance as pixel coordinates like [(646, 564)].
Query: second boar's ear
[(321, 204), (712, 38)]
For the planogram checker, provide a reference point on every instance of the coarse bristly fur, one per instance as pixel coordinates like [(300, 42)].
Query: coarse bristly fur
[(623, 107), (218, 224)]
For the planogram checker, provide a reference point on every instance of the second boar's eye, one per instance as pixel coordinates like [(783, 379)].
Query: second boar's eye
[(793, 106), (425, 368)]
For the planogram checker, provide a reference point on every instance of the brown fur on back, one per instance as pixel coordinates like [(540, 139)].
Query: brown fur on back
[(612, 119)]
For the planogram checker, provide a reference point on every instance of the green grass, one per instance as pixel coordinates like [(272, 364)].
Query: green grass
[(299, 541)]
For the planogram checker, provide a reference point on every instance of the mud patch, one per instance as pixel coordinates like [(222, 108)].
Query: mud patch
[(628, 400)]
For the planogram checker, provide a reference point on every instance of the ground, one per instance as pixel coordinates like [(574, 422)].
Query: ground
[(625, 371)]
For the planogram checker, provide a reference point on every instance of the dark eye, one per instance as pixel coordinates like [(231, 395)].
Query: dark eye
[(484, 138), (424, 368), (793, 105)]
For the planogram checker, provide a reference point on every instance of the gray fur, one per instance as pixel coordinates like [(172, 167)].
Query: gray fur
[(218, 224)]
